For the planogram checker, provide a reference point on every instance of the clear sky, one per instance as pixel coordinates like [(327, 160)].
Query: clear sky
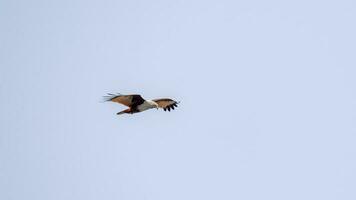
[(267, 91)]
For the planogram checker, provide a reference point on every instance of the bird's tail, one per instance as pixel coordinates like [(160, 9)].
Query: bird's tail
[(124, 111)]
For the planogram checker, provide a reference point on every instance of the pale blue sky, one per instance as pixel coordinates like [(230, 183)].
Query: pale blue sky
[(267, 91)]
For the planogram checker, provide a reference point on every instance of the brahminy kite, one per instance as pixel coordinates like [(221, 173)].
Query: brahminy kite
[(138, 104)]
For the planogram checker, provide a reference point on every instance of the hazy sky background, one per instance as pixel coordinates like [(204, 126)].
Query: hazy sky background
[(267, 91)]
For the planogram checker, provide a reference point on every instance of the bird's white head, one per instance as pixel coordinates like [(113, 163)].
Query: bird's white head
[(153, 104)]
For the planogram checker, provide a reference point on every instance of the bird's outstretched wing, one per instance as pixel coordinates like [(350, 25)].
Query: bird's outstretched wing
[(127, 100), (166, 104)]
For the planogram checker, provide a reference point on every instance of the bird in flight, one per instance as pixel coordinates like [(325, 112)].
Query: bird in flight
[(138, 104)]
